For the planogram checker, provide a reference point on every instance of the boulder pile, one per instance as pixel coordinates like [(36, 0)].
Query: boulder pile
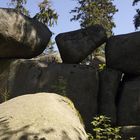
[(113, 91)]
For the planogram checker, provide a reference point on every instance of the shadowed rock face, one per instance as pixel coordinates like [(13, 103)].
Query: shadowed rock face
[(108, 90), (123, 53), (21, 36), (78, 82), (129, 104), (75, 46), (130, 131), (42, 116)]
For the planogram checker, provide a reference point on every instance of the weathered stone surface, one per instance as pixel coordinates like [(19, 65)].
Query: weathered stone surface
[(42, 116), (130, 131), (75, 46), (129, 105), (123, 53), (21, 36), (79, 83), (108, 89)]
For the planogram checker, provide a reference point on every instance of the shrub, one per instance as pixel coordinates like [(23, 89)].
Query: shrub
[(103, 130)]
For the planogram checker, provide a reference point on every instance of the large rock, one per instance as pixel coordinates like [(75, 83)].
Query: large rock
[(123, 53), (21, 36), (79, 83), (129, 105), (41, 116), (75, 46), (108, 89)]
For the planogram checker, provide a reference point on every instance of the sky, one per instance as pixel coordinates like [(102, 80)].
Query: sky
[(123, 18)]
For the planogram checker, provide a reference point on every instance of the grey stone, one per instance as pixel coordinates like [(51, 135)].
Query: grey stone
[(129, 104), (40, 116), (75, 46), (21, 36), (130, 131), (123, 53), (78, 82), (108, 89)]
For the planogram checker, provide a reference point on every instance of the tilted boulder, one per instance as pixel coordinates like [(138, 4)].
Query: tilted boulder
[(77, 82), (75, 46), (123, 53), (42, 116), (21, 36)]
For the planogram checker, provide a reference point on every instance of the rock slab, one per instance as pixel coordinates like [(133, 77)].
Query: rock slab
[(75, 46), (21, 36)]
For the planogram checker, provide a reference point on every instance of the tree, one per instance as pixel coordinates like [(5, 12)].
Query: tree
[(137, 16), (19, 5), (91, 12), (46, 15)]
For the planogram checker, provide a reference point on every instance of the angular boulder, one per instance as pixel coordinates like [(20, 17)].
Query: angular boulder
[(75, 46), (123, 53), (108, 89), (42, 116), (77, 82), (21, 36), (129, 104)]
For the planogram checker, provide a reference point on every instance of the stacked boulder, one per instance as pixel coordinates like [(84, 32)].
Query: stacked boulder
[(21, 36), (119, 84), (75, 46), (113, 92), (123, 54), (37, 116)]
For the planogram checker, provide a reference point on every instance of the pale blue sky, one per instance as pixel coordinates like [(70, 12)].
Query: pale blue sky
[(123, 19)]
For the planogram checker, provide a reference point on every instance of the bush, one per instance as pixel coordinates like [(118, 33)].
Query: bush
[(103, 130)]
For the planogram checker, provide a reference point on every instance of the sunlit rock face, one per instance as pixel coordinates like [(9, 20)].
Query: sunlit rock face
[(42, 116), (75, 46), (123, 53), (21, 36)]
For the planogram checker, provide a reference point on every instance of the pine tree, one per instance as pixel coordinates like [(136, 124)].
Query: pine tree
[(91, 12), (137, 16), (46, 15)]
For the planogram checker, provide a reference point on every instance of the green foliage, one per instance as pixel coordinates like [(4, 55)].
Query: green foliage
[(90, 12), (46, 15), (104, 131), (102, 66), (137, 16), (19, 5)]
